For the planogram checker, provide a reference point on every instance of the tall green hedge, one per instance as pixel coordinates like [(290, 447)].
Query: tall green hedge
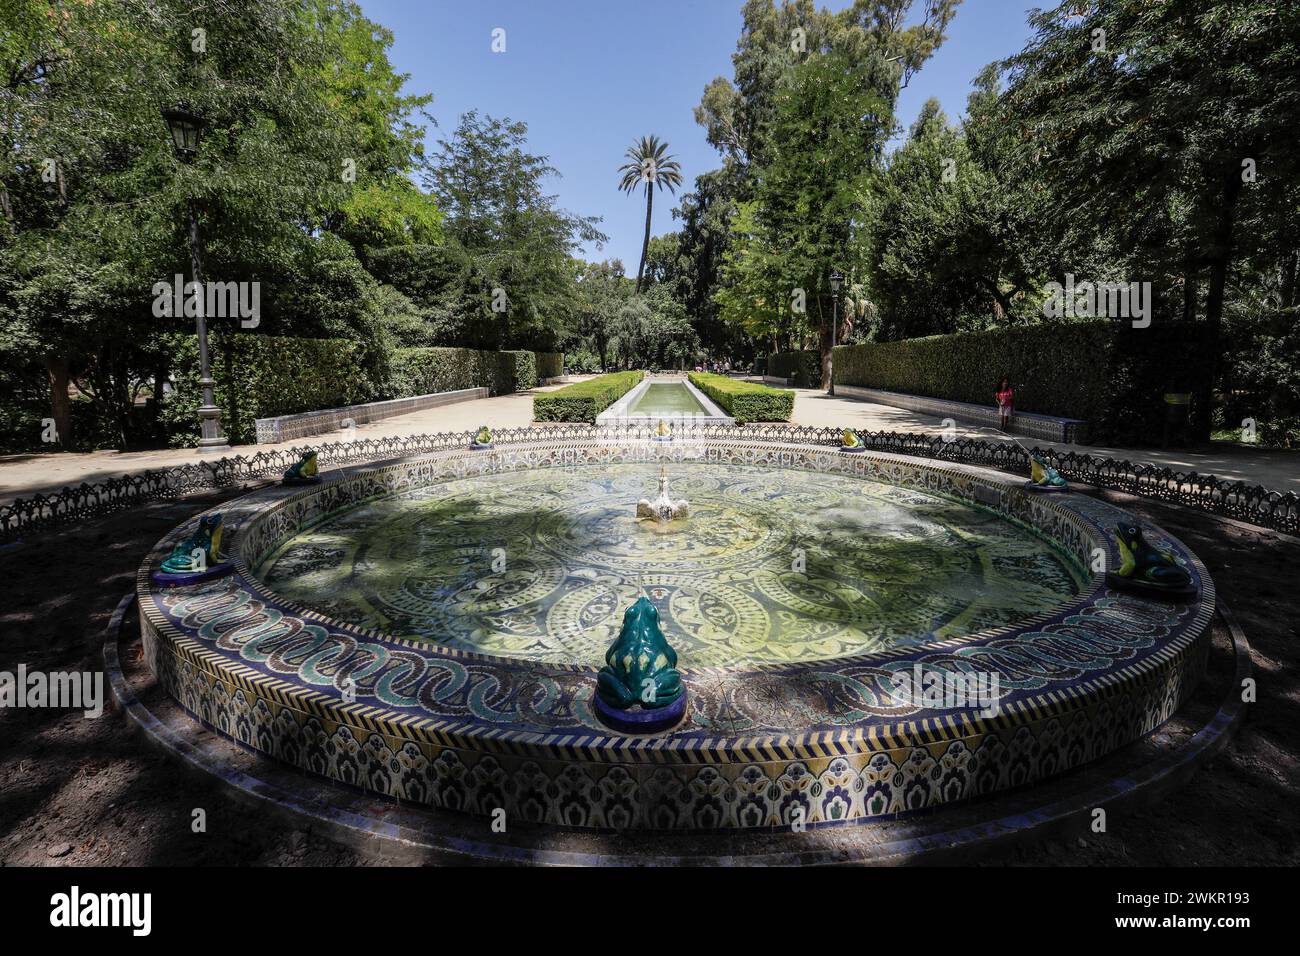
[(804, 369), (516, 371), (583, 401), (422, 371), (1112, 376), (261, 376), (550, 364), (745, 401)]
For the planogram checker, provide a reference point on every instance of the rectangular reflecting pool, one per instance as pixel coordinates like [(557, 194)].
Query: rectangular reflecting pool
[(654, 400), (667, 399)]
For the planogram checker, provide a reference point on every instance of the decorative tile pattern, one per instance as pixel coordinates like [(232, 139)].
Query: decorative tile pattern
[(304, 424), (419, 564), (760, 745)]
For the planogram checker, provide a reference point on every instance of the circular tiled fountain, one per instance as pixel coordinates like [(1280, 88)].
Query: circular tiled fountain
[(430, 629)]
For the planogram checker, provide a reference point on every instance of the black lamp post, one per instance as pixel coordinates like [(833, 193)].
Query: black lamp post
[(186, 128), (837, 281)]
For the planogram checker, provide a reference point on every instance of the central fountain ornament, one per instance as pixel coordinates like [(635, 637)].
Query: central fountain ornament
[(664, 507)]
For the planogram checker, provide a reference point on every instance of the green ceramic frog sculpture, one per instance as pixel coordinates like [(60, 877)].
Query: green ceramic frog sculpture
[(851, 442), (482, 438), (1145, 567), (640, 667), (206, 539), (1043, 476), (305, 472)]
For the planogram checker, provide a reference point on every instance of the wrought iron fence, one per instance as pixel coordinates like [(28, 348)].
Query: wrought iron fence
[(1253, 504)]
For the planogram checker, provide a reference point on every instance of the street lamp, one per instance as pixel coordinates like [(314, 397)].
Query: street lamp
[(186, 128), (837, 281)]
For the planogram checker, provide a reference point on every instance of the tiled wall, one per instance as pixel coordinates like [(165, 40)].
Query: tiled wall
[(289, 427)]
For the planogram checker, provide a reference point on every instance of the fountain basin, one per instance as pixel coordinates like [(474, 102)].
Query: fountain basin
[(769, 736)]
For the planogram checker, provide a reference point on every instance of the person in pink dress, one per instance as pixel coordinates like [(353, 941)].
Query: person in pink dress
[(1005, 396)]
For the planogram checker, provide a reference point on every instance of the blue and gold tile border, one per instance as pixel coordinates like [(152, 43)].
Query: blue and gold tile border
[(458, 730)]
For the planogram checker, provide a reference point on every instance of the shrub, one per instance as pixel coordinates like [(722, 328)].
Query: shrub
[(804, 369), (423, 371), (261, 376), (550, 364), (746, 401), (514, 372), (583, 401)]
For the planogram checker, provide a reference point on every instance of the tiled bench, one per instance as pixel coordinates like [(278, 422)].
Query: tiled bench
[(289, 427), (1070, 431)]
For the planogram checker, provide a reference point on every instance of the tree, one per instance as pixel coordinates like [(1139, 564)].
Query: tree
[(289, 90), (514, 280), (944, 250), (831, 120), (602, 292), (800, 129), (706, 214), (649, 165), (1162, 125)]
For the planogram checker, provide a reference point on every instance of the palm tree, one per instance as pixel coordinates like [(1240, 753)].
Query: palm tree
[(648, 163)]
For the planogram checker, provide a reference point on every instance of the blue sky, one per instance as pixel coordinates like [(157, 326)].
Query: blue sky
[(591, 76)]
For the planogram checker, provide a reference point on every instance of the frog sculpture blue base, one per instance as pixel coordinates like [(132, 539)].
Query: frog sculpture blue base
[(639, 689)]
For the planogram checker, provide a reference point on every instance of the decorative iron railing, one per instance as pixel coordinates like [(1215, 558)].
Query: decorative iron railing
[(1253, 504)]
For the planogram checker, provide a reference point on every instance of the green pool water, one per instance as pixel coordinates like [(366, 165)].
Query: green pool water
[(772, 566), (667, 399)]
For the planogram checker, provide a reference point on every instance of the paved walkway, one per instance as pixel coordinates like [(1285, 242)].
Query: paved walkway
[(1271, 468), (24, 475)]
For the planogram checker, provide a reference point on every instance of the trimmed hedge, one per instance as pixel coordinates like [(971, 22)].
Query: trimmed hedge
[(550, 364), (804, 369), (284, 376), (745, 401), (261, 376), (583, 401), (1111, 376), (1061, 366), (423, 371), (515, 371)]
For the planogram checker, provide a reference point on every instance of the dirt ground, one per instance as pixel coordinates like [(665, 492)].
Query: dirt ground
[(91, 792)]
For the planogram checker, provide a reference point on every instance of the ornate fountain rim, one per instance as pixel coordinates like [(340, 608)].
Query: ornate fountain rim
[(190, 633)]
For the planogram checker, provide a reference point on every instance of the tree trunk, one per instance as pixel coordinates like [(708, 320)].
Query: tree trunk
[(56, 369), (1190, 283), (1220, 262), (645, 243), (824, 341)]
